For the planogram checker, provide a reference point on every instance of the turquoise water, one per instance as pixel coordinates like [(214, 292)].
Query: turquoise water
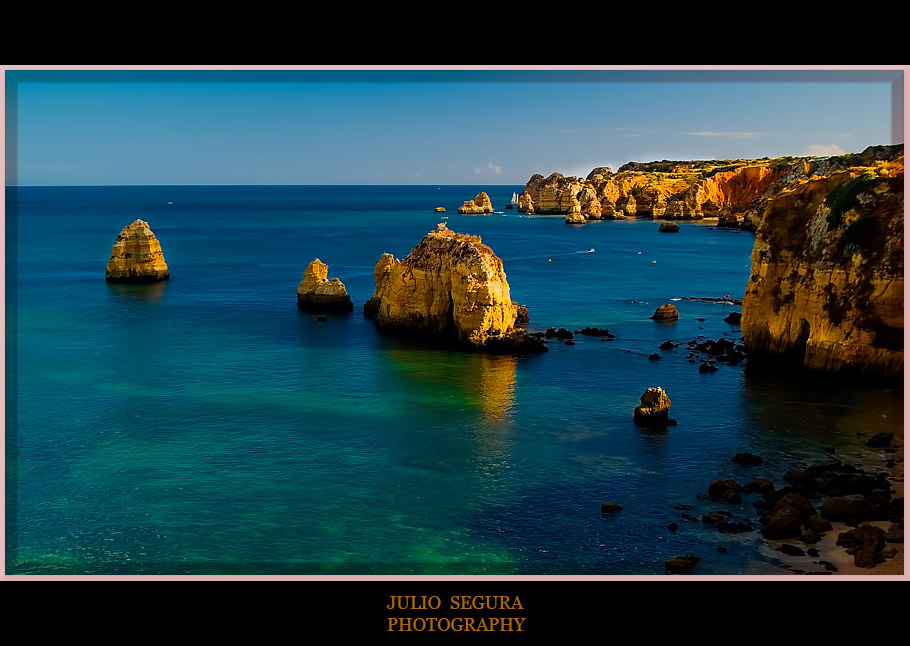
[(205, 426)]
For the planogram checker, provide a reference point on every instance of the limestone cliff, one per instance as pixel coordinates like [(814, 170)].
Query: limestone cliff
[(734, 191), (451, 287), (478, 206), (136, 256), (827, 281), (317, 292)]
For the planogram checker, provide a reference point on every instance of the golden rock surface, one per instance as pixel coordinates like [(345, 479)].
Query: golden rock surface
[(480, 205), (450, 285), (654, 409), (136, 256), (316, 291), (665, 313), (827, 283)]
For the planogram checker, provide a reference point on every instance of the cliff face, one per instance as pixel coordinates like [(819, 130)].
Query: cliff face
[(136, 256), (827, 282), (317, 292), (735, 191), (450, 286)]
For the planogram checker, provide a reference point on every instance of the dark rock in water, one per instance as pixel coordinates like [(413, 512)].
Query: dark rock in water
[(668, 227), (731, 497), (610, 507), (570, 342), (748, 459), (517, 342), (322, 319), (593, 331), (880, 440), (730, 527), (721, 549), (803, 479), (718, 488), (681, 564), (759, 485), (865, 544), (791, 550), (828, 566), (701, 319), (812, 552), (559, 333), (667, 345), (523, 318), (714, 517), (672, 526), (855, 507), (707, 367), (654, 357), (734, 318), (683, 507)]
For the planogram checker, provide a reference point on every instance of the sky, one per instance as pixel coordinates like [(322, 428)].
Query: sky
[(495, 127)]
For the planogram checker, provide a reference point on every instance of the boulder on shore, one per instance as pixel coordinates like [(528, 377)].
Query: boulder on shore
[(136, 256)]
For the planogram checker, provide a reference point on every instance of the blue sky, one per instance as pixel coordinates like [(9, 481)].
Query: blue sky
[(427, 127)]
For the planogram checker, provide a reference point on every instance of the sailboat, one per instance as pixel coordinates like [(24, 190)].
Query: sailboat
[(514, 202)]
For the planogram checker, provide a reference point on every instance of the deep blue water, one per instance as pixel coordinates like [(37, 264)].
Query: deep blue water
[(205, 426)]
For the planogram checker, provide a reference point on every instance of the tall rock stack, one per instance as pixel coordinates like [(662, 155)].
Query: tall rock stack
[(480, 205), (136, 256), (451, 287), (316, 292)]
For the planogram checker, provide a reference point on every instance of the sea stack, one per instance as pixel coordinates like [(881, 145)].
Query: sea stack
[(317, 293), (480, 205), (665, 313), (654, 411), (136, 256), (451, 287), (827, 284)]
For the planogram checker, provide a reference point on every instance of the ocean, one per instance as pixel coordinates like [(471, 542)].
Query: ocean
[(206, 426)]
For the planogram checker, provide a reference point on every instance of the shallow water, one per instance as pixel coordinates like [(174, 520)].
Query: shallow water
[(206, 426)]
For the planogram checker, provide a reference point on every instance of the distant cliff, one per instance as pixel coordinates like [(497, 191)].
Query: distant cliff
[(827, 283), (735, 191)]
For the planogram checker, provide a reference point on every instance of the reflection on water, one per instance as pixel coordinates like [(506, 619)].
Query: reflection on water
[(151, 292)]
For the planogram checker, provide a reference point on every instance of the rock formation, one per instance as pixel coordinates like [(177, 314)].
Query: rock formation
[(478, 206), (136, 256), (734, 191), (654, 411), (827, 282), (668, 227), (317, 292), (665, 313), (453, 288)]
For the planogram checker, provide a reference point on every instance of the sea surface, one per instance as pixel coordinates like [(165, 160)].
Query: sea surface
[(206, 426)]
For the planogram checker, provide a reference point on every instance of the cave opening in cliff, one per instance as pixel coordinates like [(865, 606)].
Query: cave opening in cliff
[(802, 339)]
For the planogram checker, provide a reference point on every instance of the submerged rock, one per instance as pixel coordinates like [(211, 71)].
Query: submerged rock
[(654, 411), (317, 292), (451, 288), (136, 256), (681, 564)]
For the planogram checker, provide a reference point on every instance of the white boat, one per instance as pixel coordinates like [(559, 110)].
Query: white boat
[(514, 202)]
